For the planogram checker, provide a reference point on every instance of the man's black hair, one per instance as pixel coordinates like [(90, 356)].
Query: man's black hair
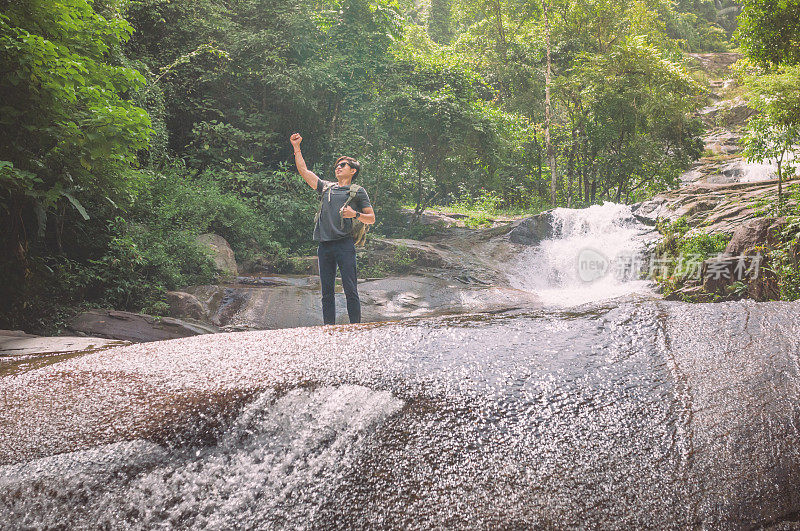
[(352, 162)]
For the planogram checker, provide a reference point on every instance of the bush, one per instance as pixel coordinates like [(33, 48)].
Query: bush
[(684, 253), (148, 247), (784, 260)]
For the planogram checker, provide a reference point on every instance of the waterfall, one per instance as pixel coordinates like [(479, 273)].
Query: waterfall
[(274, 466), (596, 253)]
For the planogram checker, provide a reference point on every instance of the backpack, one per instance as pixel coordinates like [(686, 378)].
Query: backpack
[(359, 230)]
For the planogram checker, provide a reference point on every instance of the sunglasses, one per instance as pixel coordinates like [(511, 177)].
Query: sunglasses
[(343, 164)]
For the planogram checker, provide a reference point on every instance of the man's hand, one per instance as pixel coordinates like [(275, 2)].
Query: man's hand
[(348, 212), (295, 139), (308, 176)]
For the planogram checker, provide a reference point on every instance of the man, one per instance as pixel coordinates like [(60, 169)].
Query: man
[(332, 230)]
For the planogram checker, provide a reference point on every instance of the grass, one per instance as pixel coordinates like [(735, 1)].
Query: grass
[(484, 210)]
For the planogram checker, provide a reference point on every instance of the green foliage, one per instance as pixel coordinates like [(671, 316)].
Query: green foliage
[(204, 95), (774, 133), (784, 263), (68, 128), (682, 254), (440, 21), (703, 245), (633, 106), (676, 243), (173, 201), (783, 260), (769, 31), (701, 25)]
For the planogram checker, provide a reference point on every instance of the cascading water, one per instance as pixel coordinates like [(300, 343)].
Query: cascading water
[(596, 253), (276, 459), (626, 415)]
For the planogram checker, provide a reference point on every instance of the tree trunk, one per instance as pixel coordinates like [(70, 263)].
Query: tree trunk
[(551, 159), (418, 208), (780, 179), (571, 166), (334, 119), (539, 159), (502, 49), (439, 21)]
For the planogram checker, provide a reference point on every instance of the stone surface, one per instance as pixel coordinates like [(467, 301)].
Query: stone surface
[(716, 64), (726, 113), (753, 233), (221, 253), (648, 212), (712, 208), (530, 231), (27, 344), (431, 217), (135, 327), (182, 304), (618, 417), (690, 293), (720, 272), (14, 333), (458, 270), (404, 254), (385, 299)]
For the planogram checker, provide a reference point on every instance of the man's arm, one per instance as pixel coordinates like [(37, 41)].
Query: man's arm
[(308, 176), (367, 217)]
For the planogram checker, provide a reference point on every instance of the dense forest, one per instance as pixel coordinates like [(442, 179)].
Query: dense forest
[(131, 126)]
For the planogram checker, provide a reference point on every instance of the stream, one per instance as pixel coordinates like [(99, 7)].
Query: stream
[(603, 408)]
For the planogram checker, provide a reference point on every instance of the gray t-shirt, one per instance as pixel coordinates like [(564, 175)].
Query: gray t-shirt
[(329, 227)]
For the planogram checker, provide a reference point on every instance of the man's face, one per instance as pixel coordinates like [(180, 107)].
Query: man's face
[(344, 170)]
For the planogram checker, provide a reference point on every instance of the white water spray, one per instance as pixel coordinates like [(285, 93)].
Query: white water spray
[(596, 254)]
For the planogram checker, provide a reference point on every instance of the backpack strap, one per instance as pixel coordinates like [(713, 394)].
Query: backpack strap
[(354, 189), (325, 188)]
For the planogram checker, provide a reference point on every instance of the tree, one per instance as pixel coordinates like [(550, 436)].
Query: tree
[(68, 129), (774, 133), (440, 24), (551, 158), (430, 111), (769, 31), (636, 127)]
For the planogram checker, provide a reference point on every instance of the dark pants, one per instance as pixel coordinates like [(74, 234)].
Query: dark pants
[(342, 253)]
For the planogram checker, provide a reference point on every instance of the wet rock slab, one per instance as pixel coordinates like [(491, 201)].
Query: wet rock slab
[(642, 415), (711, 207), (272, 307), (135, 327), (27, 344), (533, 230)]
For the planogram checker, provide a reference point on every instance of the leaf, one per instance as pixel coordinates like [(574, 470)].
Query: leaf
[(77, 205)]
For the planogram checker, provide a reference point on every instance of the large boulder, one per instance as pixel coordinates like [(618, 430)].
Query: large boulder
[(221, 253), (182, 304), (720, 272), (135, 327), (433, 217), (531, 231), (402, 255), (246, 307), (754, 233), (648, 212)]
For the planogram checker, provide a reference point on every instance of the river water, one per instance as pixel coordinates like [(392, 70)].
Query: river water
[(617, 413)]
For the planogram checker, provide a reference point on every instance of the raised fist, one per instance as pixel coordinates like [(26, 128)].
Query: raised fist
[(295, 139)]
